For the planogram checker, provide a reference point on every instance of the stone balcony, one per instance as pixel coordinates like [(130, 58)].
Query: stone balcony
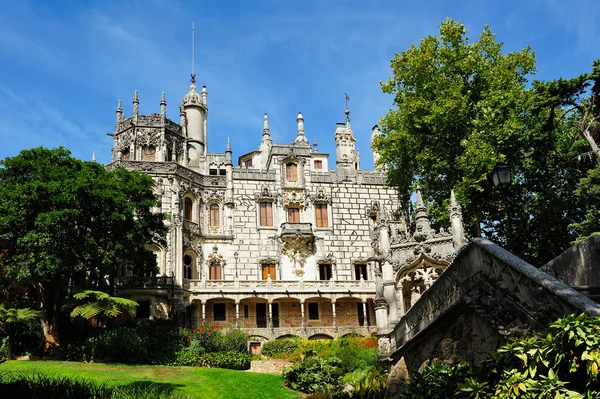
[(290, 287), (296, 232)]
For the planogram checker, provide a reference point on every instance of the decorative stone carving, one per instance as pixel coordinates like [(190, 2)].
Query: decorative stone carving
[(215, 257), (213, 196), (264, 195), (293, 198)]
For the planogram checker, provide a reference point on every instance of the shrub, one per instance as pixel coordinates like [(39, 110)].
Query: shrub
[(315, 374), (122, 344), (226, 360), (162, 340), (280, 348), (235, 341)]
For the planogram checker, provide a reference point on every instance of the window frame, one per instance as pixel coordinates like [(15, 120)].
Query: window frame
[(357, 267), (325, 270), (214, 215), (313, 314), (188, 209), (212, 271), (271, 271), (291, 171), (293, 210), (264, 220), (224, 313), (318, 164), (322, 222)]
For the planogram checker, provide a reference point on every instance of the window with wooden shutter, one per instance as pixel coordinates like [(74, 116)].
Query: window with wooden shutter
[(360, 271), (325, 271), (266, 214), (215, 219), (269, 270), (293, 215), (187, 209), (291, 171), (318, 164), (321, 215), (215, 272)]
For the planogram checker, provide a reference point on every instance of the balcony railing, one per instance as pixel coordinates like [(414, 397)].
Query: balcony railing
[(277, 322), (295, 231), (279, 285), (162, 282)]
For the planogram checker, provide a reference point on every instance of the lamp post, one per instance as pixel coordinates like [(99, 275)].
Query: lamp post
[(235, 256)]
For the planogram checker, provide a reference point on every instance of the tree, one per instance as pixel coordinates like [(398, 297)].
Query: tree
[(462, 108), (71, 224), (99, 304)]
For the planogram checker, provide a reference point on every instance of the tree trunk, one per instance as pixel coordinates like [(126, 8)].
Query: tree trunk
[(588, 137), (49, 319)]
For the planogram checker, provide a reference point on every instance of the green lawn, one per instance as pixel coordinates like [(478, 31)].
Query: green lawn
[(194, 382)]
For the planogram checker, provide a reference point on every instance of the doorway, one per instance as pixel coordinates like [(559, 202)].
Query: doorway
[(261, 315)]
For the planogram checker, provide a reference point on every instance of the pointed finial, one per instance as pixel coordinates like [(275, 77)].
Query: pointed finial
[(228, 149), (453, 201), (315, 146), (163, 105), (265, 123), (347, 110), (119, 109), (300, 137), (136, 104), (94, 156), (420, 203), (119, 112)]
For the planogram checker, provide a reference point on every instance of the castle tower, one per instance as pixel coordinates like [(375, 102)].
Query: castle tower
[(345, 151), (196, 114)]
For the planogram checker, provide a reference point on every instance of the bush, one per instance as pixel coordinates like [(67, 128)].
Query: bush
[(226, 360), (315, 374), (162, 340), (280, 348), (235, 341), (122, 344)]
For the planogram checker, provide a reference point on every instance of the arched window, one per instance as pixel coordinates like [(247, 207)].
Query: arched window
[(291, 171), (187, 209), (215, 271), (187, 267), (215, 219)]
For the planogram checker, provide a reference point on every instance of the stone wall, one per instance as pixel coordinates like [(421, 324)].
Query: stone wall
[(269, 366)]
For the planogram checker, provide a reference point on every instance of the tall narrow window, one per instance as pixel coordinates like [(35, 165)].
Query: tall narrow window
[(268, 270), (214, 216), (266, 214), (321, 215), (325, 271), (187, 267), (219, 313), (293, 215), (291, 171), (215, 272), (360, 271), (187, 209), (318, 164)]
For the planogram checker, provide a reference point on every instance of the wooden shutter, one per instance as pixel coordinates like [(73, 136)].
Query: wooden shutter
[(321, 215), (266, 214), (293, 215), (214, 215)]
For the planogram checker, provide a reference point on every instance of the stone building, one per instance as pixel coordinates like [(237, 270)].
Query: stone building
[(280, 244)]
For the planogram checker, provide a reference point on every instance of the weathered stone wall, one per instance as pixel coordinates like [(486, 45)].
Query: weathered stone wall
[(578, 266), (269, 366)]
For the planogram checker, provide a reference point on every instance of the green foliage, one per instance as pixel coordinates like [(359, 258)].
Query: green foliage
[(162, 339), (69, 223), (315, 374), (121, 344), (226, 360), (280, 348), (98, 303), (464, 106), (10, 320), (562, 362), (589, 194)]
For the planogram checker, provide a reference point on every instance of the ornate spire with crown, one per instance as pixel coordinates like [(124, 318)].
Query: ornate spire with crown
[(301, 137)]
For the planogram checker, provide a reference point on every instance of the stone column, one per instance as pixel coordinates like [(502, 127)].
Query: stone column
[(203, 311), (364, 307), (237, 314), (401, 294), (333, 313), (302, 313), (270, 314), (381, 314), (389, 284)]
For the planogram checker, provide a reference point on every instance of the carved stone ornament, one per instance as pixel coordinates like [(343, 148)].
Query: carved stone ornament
[(373, 210), (293, 198), (321, 197), (264, 195), (298, 250), (212, 196), (215, 257)]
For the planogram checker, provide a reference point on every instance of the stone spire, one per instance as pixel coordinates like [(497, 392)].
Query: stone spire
[(228, 158), (196, 116), (266, 132), (315, 146), (456, 222), (345, 151), (204, 95), (119, 112), (94, 156), (423, 229), (163, 105), (136, 105), (301, 137)]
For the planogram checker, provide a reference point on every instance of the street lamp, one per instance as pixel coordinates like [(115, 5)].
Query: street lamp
[(501, 176), (235, 256)]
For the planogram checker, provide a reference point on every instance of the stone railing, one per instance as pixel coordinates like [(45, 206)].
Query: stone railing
[(482, 265), (291, 286), (296, 229)]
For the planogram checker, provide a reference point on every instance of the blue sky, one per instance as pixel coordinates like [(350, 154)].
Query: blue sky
[(64, 64)]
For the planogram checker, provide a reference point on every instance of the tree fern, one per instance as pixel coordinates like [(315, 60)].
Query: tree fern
[(99, 303)]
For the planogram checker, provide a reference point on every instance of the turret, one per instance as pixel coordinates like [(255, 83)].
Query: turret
[(345, 151), (119, 112), (300, 136), (422, 228), (196, 112), (375, 132)]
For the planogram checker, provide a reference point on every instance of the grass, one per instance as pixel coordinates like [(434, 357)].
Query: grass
[(192, 382)]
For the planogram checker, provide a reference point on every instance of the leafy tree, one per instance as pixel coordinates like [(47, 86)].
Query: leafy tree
[(462, 108), (71, 224)]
